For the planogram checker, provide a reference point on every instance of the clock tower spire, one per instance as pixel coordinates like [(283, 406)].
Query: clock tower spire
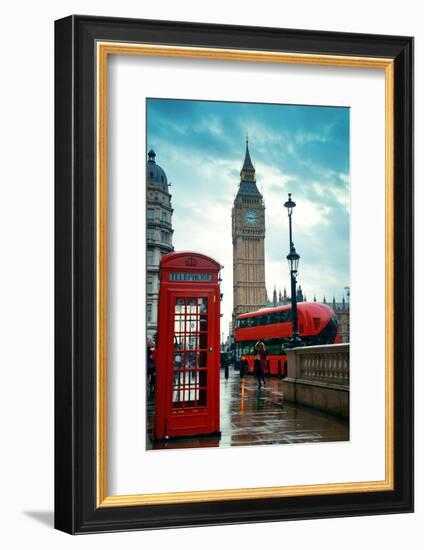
[(248, 232), (247, 172)]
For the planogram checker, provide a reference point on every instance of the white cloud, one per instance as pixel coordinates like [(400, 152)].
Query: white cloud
[(307, 137)]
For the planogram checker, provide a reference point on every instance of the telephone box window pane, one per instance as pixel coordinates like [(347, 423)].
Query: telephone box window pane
[(179, 324), (178, 399), (192, 341), (179, 305), (191, 402), (203, 375), (178, 361), (193, 378), (203, 340), (203, 305), (178, 381), (178, 366), (182, 324), (190, 360), (178, 341), (201, 400), (192, 324), (201, 358), (191, 305), (203, 324)]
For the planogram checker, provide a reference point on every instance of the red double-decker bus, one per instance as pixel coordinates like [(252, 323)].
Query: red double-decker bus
[(273, 326)]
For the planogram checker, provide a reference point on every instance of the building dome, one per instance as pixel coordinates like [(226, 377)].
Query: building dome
[(154, 172)]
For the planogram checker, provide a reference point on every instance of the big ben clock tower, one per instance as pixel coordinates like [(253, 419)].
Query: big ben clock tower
[(248, 230)]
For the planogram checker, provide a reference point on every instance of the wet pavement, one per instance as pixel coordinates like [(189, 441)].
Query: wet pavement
[(252, 416)]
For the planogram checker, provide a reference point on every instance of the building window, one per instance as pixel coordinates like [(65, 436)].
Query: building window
[(150, 234), (165, 236), (150, 257), (150, 213), (149, 284), (149, 313), (164, 216)]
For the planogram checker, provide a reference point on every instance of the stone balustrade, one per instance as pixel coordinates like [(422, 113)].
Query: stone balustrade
[(318, 376)]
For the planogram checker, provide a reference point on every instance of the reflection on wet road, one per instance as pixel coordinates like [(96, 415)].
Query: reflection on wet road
[(252, 416)]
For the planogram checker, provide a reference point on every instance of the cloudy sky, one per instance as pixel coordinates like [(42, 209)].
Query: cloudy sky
[(303, 150)]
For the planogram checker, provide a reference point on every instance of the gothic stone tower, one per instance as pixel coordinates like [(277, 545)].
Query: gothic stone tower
[(248, 230)]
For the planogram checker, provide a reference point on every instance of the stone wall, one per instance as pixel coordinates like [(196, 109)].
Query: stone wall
[(318, 376)]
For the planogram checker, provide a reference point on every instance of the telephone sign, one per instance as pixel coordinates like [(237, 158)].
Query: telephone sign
[(200, 277)]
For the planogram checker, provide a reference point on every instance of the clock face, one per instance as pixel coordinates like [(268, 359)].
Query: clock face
[(251, 217)]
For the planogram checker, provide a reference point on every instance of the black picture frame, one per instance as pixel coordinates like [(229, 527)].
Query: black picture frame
[(76, 509)]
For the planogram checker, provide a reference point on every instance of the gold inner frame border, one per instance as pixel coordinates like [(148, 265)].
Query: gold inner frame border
[(103, 50)]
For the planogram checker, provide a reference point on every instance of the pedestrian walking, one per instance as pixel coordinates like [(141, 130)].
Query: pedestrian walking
[(257, 369), (262, 354), (261, 351), (151, 371)]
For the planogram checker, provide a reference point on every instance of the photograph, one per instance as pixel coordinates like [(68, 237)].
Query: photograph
[(247, 273), (233, 273)]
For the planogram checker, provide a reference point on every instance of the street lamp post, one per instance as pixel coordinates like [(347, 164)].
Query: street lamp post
[(293, 259)]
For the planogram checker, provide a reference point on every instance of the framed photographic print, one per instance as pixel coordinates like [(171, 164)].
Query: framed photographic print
[(234, 274)]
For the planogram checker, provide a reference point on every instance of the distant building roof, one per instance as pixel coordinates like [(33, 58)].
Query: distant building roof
[(154, 173)]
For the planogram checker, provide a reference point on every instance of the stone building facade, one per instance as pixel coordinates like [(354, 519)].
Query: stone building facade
[(342, 310), (158, 235), (248, 235)]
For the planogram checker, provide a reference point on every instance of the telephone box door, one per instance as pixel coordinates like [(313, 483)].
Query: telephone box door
[(193, 368)]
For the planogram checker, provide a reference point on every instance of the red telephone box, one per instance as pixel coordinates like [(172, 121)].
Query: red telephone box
[(188, 352)]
